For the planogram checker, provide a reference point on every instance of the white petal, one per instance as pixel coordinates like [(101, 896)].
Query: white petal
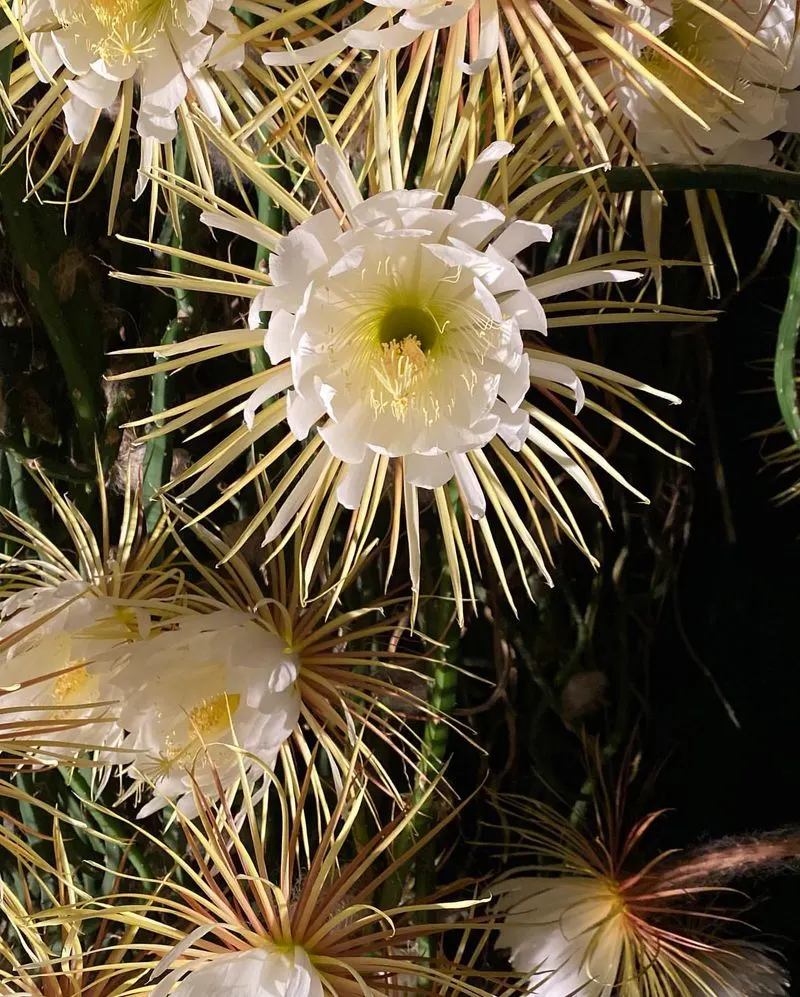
[(346, 437), (338, 174), (275, 381), (519, 235), (476, 220), (470, 486), (278, 339), (79, 118), (482, 167), (548, 370), (192, 50), (302, 56), (513, 428), (302, 413), (386, 39), (163, 83), (94, 90), (411, 503), (572, 282), (527, 310), (247, 228), (161, 127), (147, 153), (427, 471), (206, 98), (442, 17), (350, 489)]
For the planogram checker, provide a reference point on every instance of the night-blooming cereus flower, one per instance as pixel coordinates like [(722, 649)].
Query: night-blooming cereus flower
[(266, 971), (754, 78), (568, 932), (577, 935), (96, 55), (595, 922), (247, 681), (215, 678), (65, 645), (401, 339), (394, 24), (68, 622), (302, 917), (405, 347)]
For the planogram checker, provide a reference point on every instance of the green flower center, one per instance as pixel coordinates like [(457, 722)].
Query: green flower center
[(404, 322)]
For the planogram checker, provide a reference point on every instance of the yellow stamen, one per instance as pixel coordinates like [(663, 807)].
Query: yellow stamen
[(210, 718), (67, 686)]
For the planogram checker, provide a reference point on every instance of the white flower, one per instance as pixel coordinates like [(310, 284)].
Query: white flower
[(567, 932), (215, 679), (584, 935), (260, 972), (401, 337), (162, 46), (737, 129), (393, 24), (68, 642)]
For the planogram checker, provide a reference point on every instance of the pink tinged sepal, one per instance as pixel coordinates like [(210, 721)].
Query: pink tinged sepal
[(488, 38)]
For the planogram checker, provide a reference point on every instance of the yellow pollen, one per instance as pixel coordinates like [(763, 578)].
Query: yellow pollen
[(70, 683), (209, 718), (401, 369), (212, 714), (130, 25)]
